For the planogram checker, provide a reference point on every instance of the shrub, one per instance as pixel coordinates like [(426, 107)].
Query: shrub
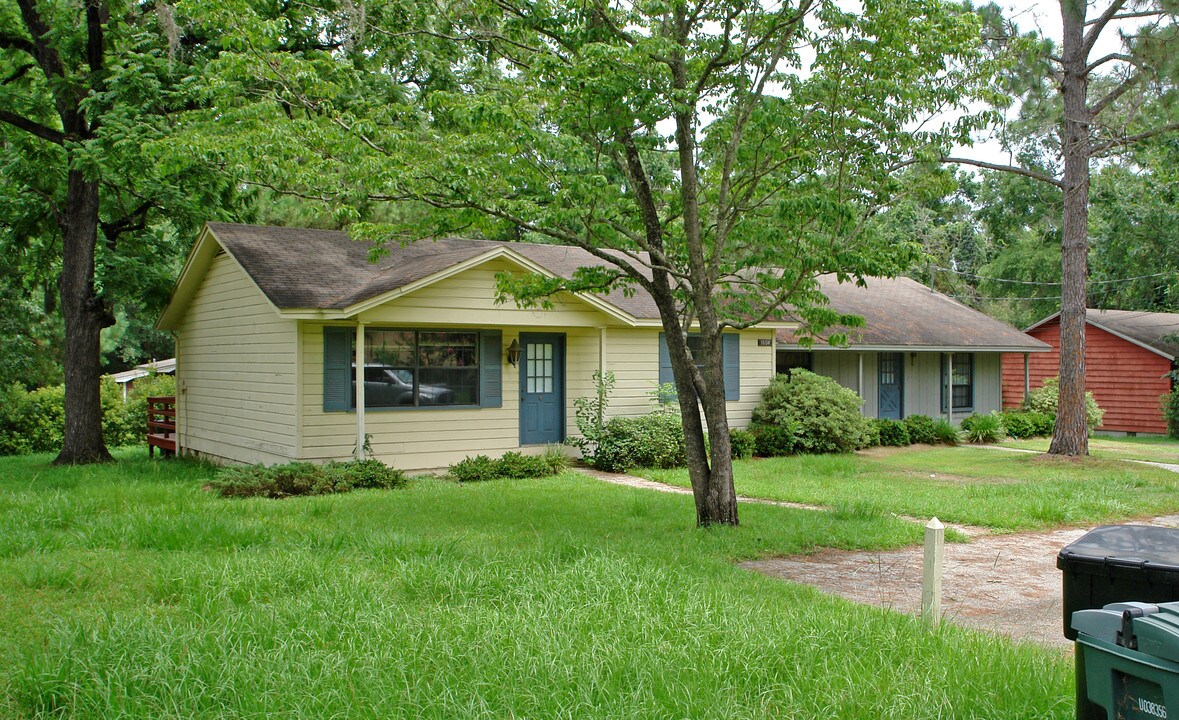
[(920, 429), (475, 469), (983, 428), (369, 474), (518, 465), (872, 437), (742, 444), (945, 432), (773, 440), (654, 440), (1170, 404), (893, 433), (1027, 423), (512, 464), (824, 416), (302, 478), (1045, 398)]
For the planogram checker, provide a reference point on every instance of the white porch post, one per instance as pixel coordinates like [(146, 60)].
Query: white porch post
[(1027, 379), (950, 386), (360, 455), (860, 379)]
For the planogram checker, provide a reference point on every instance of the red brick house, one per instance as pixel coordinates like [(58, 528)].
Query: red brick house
[(1128, 357)]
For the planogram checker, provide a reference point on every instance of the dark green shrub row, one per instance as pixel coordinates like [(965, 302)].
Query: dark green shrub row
[(655, 440), (893, 433), (34, 421), (1027, 423), (820, 414), (301, 478), (510, 465), (915, 429)]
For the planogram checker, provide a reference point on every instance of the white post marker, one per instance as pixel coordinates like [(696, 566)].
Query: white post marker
[(931, 582)]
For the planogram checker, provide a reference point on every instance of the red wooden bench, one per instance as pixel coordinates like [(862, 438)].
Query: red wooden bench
[(161, 425)]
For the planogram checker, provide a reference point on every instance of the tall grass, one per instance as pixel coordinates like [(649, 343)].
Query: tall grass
[(1007, 491), (131, 592)]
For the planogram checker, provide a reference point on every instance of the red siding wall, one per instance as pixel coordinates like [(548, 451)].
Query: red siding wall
[(1125, 379)]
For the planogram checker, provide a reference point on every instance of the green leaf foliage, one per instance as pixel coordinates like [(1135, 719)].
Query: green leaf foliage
[(823, 416)]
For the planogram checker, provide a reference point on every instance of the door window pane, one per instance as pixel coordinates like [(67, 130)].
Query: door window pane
[(538, 370)]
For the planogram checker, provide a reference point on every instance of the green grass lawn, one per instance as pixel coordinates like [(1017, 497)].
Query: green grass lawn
[(1154, 449), (973, 486), (127, 590)]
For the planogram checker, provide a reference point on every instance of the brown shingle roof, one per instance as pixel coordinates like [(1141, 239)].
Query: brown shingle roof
[(1155, 330), (299, 268), (901, 313)]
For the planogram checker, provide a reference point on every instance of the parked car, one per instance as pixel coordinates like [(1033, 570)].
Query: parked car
[(386, 386)]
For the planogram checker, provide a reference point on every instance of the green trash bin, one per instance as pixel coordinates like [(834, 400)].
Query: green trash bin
[(1128, 662)]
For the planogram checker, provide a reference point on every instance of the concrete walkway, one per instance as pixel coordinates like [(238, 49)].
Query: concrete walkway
[(644, 484)]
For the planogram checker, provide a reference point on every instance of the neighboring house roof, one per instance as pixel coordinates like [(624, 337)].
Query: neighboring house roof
[(327, 271), (1155, 331), (902, 314), (160, 367)]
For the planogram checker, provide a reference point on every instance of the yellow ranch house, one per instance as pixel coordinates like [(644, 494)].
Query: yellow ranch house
[(291, 345)]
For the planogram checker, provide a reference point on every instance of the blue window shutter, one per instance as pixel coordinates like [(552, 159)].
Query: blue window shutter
[(491, 368), (337, 369), (665, 373), (731, 362)]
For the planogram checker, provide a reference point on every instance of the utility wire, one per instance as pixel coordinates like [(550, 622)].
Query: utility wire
[(1052, 284)]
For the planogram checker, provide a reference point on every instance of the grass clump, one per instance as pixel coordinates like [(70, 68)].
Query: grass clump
[(945, 433), (301, 478), (983, 429)]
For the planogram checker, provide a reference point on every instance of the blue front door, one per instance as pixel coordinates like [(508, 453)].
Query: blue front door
[(542, 388), (891, 380)]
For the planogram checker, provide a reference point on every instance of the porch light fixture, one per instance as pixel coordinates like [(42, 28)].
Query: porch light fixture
[(514, 352)]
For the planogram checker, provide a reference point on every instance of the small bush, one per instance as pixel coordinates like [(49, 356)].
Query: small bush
[(1045, 398), (824, 416), (1170, 404), (773, 440), (302, 478), (872, 437), (1027, 423), (475, 469), (518, 466), (742, 443), (920, 429), (893, 433), (945, 432), (655, 440), (983, 428), (512, 464), (369, 474)]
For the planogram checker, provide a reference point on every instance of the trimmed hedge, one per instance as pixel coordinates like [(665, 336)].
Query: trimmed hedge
[(921, 429), (742, 444), (773, 440), (1027, 423)]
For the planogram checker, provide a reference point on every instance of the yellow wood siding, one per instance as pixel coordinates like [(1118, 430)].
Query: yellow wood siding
[(469, 299), (235, 372)]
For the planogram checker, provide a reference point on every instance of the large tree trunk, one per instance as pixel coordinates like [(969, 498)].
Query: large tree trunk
[(1071, 436), (85, 316)]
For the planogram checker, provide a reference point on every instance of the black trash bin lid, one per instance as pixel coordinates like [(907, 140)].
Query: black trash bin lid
[(1135, 545)]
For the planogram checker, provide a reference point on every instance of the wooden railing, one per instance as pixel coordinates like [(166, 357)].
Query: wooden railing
[(161, 425)]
